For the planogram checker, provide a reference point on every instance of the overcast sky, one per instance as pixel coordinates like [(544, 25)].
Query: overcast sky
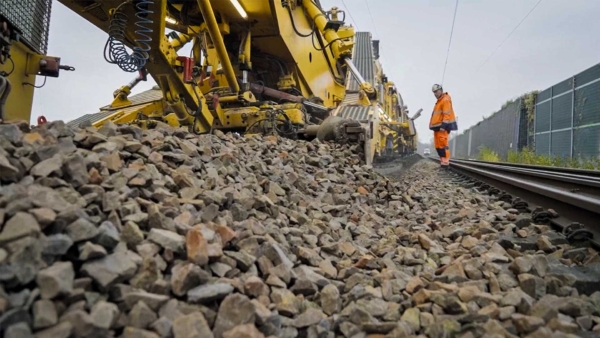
[(559, 39)]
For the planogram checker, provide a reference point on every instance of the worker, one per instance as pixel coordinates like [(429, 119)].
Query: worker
[(442, 122)]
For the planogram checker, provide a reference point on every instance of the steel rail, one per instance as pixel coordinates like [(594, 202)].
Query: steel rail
[(591, 185), (594, 173), (573, 193), (556, 174)]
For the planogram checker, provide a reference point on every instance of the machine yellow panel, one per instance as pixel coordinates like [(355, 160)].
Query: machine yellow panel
[(20, 100), (24, 27), (257, 66)]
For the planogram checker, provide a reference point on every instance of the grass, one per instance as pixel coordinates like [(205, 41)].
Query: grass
[(527, 156), (487, 154)]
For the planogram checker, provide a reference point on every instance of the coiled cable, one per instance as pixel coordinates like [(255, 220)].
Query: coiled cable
[(117, 52)]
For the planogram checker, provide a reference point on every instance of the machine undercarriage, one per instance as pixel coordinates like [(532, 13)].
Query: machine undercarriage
[(256, 67)]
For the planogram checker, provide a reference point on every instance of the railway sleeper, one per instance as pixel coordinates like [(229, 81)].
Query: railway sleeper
[(572, 232)]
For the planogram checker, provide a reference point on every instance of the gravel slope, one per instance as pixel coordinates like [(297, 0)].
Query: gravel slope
[(129, 233)]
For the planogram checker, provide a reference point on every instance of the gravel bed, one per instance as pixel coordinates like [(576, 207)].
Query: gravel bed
[(120, 232)]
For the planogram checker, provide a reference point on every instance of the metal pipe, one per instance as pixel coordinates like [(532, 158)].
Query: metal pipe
[(217, 39), (311, 130), (257, 89), (355, 72)]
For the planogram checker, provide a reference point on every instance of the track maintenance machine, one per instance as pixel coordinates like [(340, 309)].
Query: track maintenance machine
[(282, 67)]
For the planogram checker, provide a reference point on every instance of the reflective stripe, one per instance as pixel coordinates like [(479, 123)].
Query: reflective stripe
[(446, 112)]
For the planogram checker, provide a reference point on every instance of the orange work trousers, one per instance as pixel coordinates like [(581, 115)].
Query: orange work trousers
[(440, 139)]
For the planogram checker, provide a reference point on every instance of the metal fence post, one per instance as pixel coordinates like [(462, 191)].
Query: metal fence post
[(550, 136), (572, 116), (469, 144), (534, 124), (517, 126)]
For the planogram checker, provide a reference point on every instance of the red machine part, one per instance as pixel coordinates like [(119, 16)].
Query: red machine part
[(41, 120), (188, 67)]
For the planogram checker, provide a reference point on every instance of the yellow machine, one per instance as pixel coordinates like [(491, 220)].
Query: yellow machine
[(23, 44), (284, 67)]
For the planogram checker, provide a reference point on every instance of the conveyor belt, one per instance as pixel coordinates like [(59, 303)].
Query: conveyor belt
[(349, 108), (363, 58)]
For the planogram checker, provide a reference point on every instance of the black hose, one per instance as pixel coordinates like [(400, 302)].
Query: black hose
[(5, 88), (324, 50), (294, 25)]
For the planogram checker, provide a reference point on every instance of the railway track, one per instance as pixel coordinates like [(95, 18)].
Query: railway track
[(568, 199)]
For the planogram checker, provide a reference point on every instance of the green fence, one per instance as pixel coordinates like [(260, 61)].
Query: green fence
[(500, 133), (567, 117), (562, 121)]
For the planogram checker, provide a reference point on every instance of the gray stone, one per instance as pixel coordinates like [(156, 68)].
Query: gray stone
[(185, 277), (74, 168), (330, 299), (141, 316), (51, 166), (163, 326), (276, 254), (584, 278), (243, 331), (132, 332), (56, 280), (236, 309), (244, 261), (83, 325), (308, 318), (19, 330), (82, 230), (192, 326), (89, 250), (11, 133), (57, 244), (209, 292), (154, 301), (111, 269), (20, 225), (104, 314), (44, 314), (168, 240), (108, 235)]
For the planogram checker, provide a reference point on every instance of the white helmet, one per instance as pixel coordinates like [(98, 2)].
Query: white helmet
[(436, 87)]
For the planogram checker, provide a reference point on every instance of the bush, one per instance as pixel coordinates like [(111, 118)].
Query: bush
[(487, 154)]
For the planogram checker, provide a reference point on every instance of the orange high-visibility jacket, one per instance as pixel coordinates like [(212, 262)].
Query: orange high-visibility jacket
[(443, 115)]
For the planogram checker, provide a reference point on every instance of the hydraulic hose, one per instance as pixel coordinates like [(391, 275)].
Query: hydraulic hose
[(5, 88), (117, 53)]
